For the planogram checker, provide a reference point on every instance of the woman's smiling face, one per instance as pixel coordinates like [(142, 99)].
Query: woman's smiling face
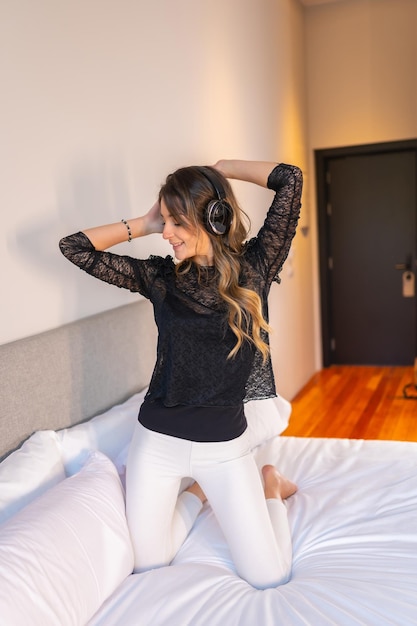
[(186, 240)]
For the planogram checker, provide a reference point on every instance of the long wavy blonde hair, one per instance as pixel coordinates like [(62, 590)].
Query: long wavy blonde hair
[(186, 193)]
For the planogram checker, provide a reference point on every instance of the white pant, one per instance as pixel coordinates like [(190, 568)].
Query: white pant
[(159, 519)]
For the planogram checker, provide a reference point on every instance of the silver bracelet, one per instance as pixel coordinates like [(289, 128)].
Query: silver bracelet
[(129, 232)]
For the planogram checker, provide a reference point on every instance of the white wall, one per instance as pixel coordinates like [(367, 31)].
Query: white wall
[(101, 99), (361, 61)]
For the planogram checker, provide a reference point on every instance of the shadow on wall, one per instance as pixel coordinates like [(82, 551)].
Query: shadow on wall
[(90, 194)]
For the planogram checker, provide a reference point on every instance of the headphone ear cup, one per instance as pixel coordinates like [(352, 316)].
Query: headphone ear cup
[(218, 217)]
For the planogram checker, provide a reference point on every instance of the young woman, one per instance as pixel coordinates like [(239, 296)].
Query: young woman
[(211, 310)]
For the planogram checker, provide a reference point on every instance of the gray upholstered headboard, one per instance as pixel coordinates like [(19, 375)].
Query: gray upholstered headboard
[(69, 374)]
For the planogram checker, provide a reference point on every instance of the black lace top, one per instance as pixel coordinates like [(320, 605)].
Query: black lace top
[(194, 338)]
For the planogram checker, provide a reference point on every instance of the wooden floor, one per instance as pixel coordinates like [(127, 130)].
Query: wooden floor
[(356, 402)]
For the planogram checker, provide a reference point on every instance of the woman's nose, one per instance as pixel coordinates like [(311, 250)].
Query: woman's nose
[(166, 231)]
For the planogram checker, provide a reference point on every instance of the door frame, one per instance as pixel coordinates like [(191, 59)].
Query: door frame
[(322, 158)]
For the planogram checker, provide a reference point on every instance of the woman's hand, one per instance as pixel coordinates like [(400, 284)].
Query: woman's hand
[(221, 166), (153, 220)]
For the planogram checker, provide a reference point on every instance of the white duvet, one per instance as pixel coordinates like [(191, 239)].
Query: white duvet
[(354, 528)]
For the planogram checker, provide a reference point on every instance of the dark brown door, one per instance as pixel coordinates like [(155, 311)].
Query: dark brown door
[(368, 231)]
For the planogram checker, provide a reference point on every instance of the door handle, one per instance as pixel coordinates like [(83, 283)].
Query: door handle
[(405, 266)]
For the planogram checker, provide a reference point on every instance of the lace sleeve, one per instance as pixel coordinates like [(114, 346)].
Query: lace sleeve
[(123, 271), (269, 249)]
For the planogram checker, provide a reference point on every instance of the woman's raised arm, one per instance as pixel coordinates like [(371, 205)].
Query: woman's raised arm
[(103, 237), (250, 171)]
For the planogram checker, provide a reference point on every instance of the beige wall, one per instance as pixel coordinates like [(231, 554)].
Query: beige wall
[(361, 63), (362, 72), (100, 100)]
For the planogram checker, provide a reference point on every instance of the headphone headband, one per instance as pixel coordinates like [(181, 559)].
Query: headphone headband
[(206, 171)]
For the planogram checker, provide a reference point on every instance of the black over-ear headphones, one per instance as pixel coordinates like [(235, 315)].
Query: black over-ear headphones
[(218, 213)]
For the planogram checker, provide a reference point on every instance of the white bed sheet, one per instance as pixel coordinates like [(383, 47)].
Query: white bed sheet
[(354, 527)]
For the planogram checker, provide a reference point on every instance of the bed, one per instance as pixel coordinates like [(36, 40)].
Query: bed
[(67, 415)]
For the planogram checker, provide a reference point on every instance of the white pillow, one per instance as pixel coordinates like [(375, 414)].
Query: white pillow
[(267, 418), (28, 472), (108, 432), (66, 552)]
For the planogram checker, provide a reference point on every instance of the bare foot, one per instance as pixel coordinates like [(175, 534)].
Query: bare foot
[(276, 485), (197, 491)]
